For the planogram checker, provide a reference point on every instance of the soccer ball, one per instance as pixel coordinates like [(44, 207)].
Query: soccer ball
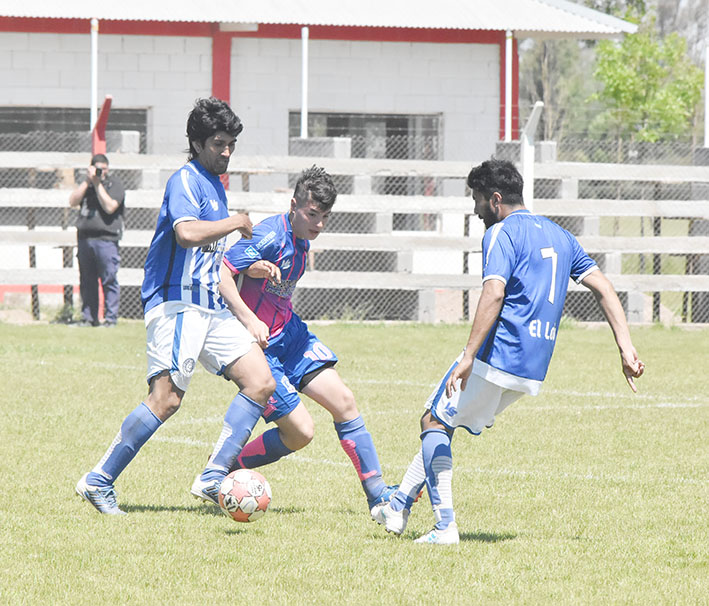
[(244, 495)]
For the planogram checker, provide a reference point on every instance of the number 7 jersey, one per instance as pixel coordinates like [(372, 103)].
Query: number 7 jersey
[(534, 257)]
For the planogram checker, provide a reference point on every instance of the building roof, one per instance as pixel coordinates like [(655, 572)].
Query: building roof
[(526, 18)]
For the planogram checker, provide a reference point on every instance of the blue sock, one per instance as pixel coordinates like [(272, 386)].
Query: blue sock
[(265, 449), (240, 418), (357, 442), (438, 463), (135, 431)]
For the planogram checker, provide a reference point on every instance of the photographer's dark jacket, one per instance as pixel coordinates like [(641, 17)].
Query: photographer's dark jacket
[(93, 221)]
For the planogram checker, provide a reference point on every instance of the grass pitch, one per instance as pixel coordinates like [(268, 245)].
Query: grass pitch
[(586, 494)]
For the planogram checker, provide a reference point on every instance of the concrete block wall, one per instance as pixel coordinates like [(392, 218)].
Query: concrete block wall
[(165, 74), (162, 74), (459, 81)]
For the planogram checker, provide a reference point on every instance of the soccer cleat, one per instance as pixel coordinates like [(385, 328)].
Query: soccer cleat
[(384, 497), (393, 521), (103, 498), (206, 491), (449, 536)]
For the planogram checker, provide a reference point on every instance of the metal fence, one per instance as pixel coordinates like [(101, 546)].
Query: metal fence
[(362, 303)]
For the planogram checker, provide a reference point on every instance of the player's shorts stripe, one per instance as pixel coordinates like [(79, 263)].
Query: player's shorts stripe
[(177, 335)]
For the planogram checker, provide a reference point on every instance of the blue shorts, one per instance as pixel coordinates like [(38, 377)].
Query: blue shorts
[(294, 353)]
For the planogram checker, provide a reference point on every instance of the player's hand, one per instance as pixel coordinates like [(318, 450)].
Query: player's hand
[(243, 225), (264, 270), (460, 372), (633, 367), (259, 331)]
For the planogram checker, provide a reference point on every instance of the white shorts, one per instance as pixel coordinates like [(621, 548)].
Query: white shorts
[(180, 334), (475, 408)]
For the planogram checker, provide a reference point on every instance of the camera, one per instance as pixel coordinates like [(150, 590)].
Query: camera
[(99, 172)]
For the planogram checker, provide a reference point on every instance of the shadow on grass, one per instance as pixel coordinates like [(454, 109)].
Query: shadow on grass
[(487, 537), (290, 510), (201, 509)]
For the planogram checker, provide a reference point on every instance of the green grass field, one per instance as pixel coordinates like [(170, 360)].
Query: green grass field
[(583, 495)]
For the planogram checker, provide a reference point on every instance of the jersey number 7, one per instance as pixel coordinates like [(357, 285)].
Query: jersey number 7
[(550, 253)]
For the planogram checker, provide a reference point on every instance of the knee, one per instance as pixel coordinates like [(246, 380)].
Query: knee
[(347, 405), (301, 436), (260, 390), (163, 407)]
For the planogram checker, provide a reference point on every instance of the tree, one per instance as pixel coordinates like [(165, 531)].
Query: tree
[(556, 72), (650, 87)]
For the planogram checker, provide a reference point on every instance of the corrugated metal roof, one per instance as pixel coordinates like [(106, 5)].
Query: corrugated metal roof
[(525, 17)]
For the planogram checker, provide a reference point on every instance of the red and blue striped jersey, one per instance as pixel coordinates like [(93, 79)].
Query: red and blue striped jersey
[(273, 241)]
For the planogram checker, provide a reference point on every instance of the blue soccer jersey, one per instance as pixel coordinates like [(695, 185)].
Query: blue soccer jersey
[(534, 257), (189, 275), (273, 241)]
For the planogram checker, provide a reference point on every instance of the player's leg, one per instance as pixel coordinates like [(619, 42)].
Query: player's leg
[(173, 342), (88, 281), (97, 485), (394, 515), (247, 367), (438, 465), (108, 262), (328, 390), (292, 432)]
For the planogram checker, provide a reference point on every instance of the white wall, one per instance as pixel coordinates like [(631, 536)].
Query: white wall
[(166, 74), (459, 81), (163, 74)]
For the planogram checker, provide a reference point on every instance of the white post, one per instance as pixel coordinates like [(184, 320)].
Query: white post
[(304, 84), (94, 73), (527, 154), (706, 95), (508, 85)]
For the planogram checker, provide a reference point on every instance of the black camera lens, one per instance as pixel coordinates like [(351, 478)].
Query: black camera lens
[(99, 172)]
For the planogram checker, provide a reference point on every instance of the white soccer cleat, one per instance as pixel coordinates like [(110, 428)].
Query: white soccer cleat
[(103, 498), (393, 521), (206, 491), (449, 536)]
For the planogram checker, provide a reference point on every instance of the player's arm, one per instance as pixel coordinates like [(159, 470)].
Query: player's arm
[(195, 233), (230, 293), (612, 308), (486, 313), (264, 270)]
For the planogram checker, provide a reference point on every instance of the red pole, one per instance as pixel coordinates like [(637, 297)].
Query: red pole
[(98, 134)]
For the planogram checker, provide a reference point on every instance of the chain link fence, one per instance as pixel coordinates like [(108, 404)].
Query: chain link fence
[(360, 302)]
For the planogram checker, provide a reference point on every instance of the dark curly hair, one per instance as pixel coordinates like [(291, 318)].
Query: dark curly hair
[(318, 183), (208, 116), (498, 176)]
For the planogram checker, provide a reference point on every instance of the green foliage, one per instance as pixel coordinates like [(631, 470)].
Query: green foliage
[(555, 72), (651, 88), (586, 494)]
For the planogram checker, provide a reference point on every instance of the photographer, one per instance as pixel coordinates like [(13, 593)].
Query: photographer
[(99, 226)]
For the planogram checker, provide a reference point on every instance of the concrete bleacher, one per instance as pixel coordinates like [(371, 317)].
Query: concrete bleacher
[(431, 263)]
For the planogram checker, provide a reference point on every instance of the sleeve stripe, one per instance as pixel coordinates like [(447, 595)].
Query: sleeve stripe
[(182, 220), (186, 185), (494, 277), (584, 274), (493, 238)]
